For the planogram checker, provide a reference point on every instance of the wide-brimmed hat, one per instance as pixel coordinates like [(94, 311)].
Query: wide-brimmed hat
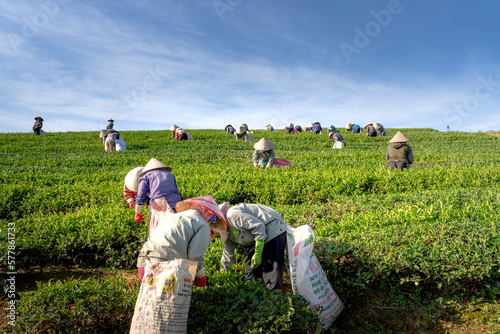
[(241, 130), (290, 125), (268, 124), (348, 126), (173, 127), (206, 203), (368, 124), (132, 178), (399, 138), (111, 120), (38, 117), (263, 145), (377, 126), (154, 164)]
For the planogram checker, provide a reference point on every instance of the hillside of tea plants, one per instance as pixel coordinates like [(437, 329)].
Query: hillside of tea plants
[(404, 250)]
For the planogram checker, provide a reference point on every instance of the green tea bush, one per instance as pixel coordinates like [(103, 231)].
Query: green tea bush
[(77, 306)]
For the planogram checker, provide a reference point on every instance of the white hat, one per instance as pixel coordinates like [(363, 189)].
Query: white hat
[(348, 126), (173, 127), (154, 164), (290, 125), (263, 145), (132, 178), (377, 126), (368, 124), (399, 138)]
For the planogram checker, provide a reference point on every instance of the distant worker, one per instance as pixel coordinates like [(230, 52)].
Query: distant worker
[(334, 134), (298, 128), (269, 127), (380, 130), (109, 138), (173, 128), (370, 130), (289, 128), (348, 127), (131, 186), (263, 155), (246, 127), (181, 134), (356, 128), (264, 230), (399, 154), (156, 181), (37, 127), (242, 133), (317, 129), (110, 124), (229, 129)]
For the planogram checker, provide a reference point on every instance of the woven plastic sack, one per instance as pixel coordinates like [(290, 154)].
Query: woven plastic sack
[(307, 276), (338, 145), (163, 302)]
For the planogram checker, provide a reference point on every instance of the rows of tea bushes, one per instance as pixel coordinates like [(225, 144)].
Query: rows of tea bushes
[(435, 225)]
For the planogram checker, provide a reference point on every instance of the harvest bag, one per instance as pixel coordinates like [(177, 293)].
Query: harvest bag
[(308, 279), (159, 210), (163, 302), (120, 144), (339, 144)]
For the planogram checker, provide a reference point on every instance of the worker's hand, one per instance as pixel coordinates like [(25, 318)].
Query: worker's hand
[(140, 273), (200, 281), (138, 217), (257, 256), (131, 205), (256, 166)]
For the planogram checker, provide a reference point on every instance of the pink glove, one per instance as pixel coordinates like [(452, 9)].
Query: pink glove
[(256, 166), (140, 273), (200, 281), (138, 217), (131, 205)]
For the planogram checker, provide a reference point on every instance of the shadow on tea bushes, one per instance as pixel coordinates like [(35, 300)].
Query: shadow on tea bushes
[(231, 304), (77, 306)]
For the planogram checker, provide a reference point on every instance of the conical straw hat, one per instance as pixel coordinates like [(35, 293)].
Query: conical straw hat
[(348, 126), (38, 117), (399, 138), (207, 203), (368, 124), (154, 164), (241, 130), (377, 126), (263, 145), (132, 178), (290, 125), (173, 127)]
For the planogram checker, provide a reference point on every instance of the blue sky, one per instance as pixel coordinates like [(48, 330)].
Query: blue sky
[(206, 64)]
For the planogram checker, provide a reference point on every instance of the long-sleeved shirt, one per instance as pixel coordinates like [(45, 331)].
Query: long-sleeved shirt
[(247, 223), (399, 152), (183, 235), (38, 125), (263, 159), (158, 183)]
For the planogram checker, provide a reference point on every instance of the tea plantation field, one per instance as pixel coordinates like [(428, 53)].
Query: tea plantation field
[(406, 251)]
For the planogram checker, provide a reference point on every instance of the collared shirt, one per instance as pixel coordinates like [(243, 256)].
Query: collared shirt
[(158, 183)]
